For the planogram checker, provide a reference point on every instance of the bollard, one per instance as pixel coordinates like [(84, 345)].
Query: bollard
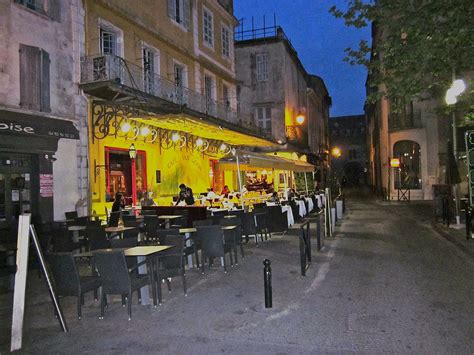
[(468, 222), (343, 203), (267, 279)]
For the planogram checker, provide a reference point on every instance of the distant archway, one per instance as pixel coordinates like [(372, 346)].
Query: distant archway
[(354, 173), (408, 176)]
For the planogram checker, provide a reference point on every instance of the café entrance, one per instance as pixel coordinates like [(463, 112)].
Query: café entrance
[(17, 190)]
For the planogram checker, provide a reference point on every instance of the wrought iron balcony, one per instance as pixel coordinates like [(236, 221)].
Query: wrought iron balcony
[(109, 68), (402, 121)]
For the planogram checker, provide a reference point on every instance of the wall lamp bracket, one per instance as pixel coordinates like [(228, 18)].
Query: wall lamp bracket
[(97, 169)]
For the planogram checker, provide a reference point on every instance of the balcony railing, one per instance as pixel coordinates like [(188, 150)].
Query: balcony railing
[(401, 121), (112, 68)]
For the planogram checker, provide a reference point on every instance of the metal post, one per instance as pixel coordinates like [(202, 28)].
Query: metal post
[(267, 279), (306, 182), (468, 222)]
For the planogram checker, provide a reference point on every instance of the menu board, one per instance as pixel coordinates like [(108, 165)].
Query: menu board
[(46, 185)]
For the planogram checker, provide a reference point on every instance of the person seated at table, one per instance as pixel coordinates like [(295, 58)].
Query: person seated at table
[(147, 200), (292, 194), (274, 197), (119, 202), (185, 196), (211, 194), (225, 191)]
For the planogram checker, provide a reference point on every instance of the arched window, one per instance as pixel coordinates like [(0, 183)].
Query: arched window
[(408, 176)]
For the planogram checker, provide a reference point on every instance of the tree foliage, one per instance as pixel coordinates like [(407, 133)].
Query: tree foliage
[(417, 46)]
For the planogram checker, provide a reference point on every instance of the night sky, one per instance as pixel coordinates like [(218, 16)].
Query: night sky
[(320, 40)]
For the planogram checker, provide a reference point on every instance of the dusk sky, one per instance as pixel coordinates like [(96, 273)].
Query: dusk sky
[(320, 40)]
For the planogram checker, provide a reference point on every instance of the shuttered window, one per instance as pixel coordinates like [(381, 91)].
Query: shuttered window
[(208, 27), (179, 11), (226, 41), (262, 67), (51, 8), (34, 78)]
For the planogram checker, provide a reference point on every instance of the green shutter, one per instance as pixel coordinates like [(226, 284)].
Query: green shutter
[(45, 89), (30, 77)]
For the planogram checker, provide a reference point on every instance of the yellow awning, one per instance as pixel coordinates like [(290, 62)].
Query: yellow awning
[(254, 161), (204, 129)]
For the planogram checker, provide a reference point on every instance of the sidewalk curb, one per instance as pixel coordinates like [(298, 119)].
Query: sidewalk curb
[(450, 238)]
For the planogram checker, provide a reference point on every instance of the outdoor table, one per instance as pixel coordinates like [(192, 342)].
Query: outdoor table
[(168, 218), (230, 216), (289, 214), (320, 201), (75, 231), (117, 230), (217, 210), (141, 253), (310, 204), (302, 208)]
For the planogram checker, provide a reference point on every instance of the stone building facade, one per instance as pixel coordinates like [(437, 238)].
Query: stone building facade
[(43, 164)]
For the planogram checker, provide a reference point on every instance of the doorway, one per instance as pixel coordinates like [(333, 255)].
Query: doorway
[(16, 195)]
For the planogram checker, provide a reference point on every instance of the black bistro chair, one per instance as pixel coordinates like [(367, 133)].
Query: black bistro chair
[(71, 215), (67, 280), (237, 234), (97, 238), (117, 278), (171, 263), (152, 226), (211, 239), (62, 239)]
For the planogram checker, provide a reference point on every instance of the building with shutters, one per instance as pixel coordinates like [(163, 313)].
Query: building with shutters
[(42, 158), (161, 76), (278, 95)]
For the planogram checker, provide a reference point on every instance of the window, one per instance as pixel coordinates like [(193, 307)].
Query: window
[(179, 82), (179, 10), (226, 41), (225, 96), (149, 70), (51, 8), (208, 28), (208, 84), (36, 5), (34, 78), (264, 118), (108, 41), (262, 67)]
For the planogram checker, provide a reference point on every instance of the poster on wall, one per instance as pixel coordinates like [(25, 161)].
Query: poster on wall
[(46, 185)]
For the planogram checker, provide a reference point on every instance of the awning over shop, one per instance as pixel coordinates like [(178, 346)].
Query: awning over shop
[(302, 166), (205, 129), (254, 161), (17, 123)]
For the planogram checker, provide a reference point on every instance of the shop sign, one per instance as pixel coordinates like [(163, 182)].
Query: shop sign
[(46, 185)]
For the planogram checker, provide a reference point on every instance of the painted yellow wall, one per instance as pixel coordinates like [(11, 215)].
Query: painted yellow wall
[(176, 165)]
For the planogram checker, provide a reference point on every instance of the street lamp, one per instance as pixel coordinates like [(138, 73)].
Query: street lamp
[(132, 152), (457, 88)]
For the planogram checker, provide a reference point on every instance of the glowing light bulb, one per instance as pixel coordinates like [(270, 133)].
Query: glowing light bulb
[(223, 146), (125, 127), (175, 137), (199, 142), (458, 87), (300, 118), (144, 131)]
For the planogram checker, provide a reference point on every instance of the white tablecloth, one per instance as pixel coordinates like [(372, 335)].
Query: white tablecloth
[(319, 200), (302, 210), (289, 214), (310, 204)]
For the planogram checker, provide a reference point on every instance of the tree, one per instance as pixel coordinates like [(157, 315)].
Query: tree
[(418, 44)]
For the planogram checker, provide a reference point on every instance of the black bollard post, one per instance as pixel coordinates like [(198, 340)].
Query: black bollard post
[(267, 277), (468, 222)]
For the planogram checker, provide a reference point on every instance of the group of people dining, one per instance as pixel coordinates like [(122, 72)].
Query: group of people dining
[(185, 197)]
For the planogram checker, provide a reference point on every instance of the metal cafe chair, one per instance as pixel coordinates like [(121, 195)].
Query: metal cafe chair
[(117, 278), (171, 264), (67, 280), (212, 242)]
